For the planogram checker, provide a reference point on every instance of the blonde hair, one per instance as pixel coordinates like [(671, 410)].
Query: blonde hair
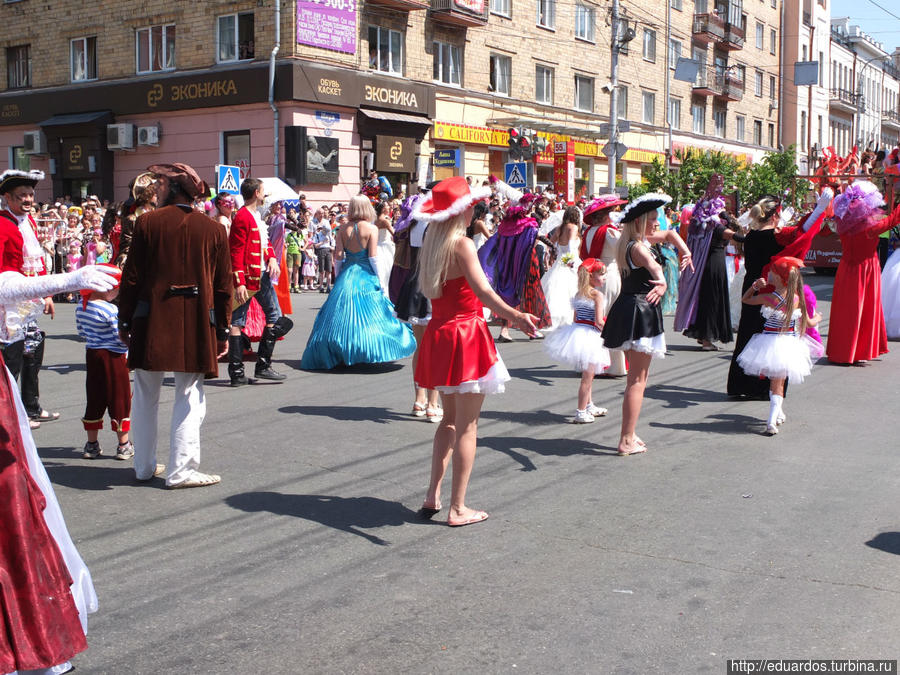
[(437, 252), (585, 289), (793, 298), (632, 230), (762, 212), (360, 209)]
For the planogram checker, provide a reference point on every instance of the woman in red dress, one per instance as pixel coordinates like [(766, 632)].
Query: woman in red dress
[(856, 330), (457, 355)]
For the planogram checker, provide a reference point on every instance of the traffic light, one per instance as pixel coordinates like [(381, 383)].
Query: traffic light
[(525, 143), (515, 143), (540, 144)]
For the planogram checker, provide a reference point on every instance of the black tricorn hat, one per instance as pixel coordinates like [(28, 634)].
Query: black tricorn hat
[(13, 178), (644, 204)]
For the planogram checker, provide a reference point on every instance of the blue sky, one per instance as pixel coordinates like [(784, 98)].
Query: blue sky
[(875, 21)]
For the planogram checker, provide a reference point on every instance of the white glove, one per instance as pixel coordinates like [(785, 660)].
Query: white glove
[(337, 264), (822, 204), (15, 287)]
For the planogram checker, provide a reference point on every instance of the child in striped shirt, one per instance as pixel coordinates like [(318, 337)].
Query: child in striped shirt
[(106, 384)]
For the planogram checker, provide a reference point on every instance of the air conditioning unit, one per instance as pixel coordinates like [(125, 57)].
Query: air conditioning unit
[(579, 173), (120, 136), (773, 104), (35, 143), (148, 135)]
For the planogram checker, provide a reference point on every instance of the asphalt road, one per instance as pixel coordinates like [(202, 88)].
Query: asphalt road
[(718, 543)]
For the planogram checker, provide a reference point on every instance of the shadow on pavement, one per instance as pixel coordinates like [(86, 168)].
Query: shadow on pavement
[(348, 514), (66, 368), (530, 417), (540, 374), (720, 424), (889, 542), (98, 474), (682, 397), (548, 447), (349, 413), (357, 369)]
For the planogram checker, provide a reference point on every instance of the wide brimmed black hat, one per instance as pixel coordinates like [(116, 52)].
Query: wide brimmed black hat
[(644, 204), (13, 178)]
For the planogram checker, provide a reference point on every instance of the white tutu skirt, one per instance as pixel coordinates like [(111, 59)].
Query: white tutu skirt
[(579, 346), (493, 382), (890, 294), (776, 355), (560, 285), (816, 349), (655, 346)]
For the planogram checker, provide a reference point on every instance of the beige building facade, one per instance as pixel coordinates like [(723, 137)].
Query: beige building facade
[(416, 89)]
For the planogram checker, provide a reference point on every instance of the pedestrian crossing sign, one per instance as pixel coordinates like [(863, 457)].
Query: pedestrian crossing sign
[(517, 174), (228, 179)]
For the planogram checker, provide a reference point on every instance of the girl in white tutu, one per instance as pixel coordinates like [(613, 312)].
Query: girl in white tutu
[(580, 344), (779, 352)]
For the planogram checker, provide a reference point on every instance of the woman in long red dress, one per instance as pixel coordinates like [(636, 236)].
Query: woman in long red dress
[(856, 330), (457, 355)]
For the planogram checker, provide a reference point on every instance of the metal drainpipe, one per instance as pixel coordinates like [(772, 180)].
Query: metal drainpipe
[(275, 139), (780, 82)]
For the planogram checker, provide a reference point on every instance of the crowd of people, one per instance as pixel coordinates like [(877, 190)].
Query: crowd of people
[(426, 276)]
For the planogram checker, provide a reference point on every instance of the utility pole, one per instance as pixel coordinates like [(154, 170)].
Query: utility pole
[(613, 97)]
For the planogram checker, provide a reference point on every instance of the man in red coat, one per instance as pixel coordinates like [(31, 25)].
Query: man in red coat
[(250, 250), (24, 352), (177, 276)]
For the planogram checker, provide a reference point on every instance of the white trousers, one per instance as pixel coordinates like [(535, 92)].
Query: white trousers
[(188, 412)]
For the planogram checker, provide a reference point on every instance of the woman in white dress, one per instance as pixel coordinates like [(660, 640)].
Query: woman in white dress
[(560, 283), (385, 225), (890, 294), (601, 240)]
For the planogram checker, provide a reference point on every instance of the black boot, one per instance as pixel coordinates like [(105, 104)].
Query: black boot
[(236, 360), (264, 357)]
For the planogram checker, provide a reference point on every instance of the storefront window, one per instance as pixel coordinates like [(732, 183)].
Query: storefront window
[(448, 161), (236, 150), (583, 171)]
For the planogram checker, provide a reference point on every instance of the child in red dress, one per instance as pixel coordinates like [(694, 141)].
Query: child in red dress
[(457, 354)]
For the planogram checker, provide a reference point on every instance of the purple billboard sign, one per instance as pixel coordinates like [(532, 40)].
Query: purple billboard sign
[(330, 24)]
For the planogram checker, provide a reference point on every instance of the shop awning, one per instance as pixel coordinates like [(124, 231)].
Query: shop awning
[(389, 116), (75, 118)]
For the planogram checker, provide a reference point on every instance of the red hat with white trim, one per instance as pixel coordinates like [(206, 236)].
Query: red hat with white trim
[(449, 198)]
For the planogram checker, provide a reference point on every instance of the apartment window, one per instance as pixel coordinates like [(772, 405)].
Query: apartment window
[(501, 74), (772, 135), (758, 82), (739, 123), (84, 58), (649, 45), (675, 4), (500, 7), (772, 87), (584, 93), (760, 32), (235, 37), (675, 113), (543, 84), (674, 52), (584, 22), (719, 123), (700, 6), (648, 99), (698, 118), (622, 103), (775, 3), (821, 69), (236, 150), (155, 47), (447, 63), (757, 132), (773, 41), (18, 67), (385, 50), (546, 13), (803, 144)]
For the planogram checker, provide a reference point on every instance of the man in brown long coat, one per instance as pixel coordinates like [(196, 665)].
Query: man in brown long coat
[(174, 312)]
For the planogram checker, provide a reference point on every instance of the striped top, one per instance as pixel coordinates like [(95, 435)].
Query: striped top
[(774, 317), (98, 324), (584, 311)]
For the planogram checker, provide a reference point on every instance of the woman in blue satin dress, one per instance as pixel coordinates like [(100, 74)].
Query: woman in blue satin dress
[(356, 324)]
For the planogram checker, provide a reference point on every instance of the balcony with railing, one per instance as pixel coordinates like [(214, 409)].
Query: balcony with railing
[(734, 37), (841, 38), (890, 118), (470, 13), (844, 99), (722, 84), (708, 27)]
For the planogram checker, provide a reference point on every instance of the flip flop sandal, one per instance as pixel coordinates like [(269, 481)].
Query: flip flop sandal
[(197, 480), (477, 517), (636, 451), (45, 416)]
